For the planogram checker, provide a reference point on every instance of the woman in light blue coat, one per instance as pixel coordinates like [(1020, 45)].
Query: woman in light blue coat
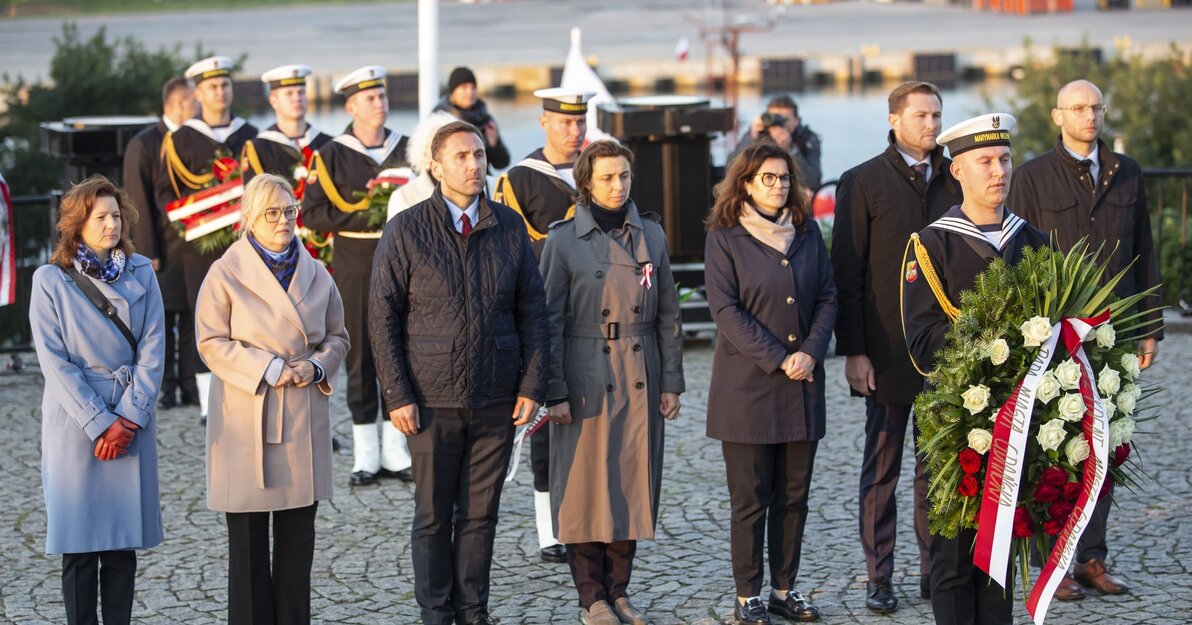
[(99, 431)]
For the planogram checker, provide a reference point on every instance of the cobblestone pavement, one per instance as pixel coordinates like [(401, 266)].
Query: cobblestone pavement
[(362, 570)]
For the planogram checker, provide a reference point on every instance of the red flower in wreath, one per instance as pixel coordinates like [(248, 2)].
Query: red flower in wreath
[(1120, 454), (1024, 527), (1060, 511), (1052, 527), (970, 461), (1055, 476), (968, 486), (1106, 487), (1072, 491), (224, 168), (1046, 493)]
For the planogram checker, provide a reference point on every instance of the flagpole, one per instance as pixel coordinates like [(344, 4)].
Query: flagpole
[(428, 56)]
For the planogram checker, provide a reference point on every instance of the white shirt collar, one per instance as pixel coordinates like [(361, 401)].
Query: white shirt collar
[(1094, 157), (911, 162), (456, 212), (170, 125)]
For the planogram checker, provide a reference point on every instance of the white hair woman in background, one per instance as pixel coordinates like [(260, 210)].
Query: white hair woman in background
[(418, 155)]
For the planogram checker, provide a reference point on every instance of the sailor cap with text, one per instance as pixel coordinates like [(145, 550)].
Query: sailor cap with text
[(367, 77), (983, 131), (210, 67), (286, 76), (565, 101)]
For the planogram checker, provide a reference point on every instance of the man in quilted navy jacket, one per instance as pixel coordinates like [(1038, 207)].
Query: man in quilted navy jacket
[(459, 331)]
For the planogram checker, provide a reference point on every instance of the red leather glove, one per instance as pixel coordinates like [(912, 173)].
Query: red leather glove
[(113, 442)]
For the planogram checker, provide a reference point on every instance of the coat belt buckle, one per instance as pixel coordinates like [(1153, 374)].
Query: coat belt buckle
[(612, 331)]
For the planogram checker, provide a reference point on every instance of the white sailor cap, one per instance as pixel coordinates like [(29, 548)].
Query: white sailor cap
[(210, 67), (366, 77), (286, 76), (565, 101), (979, 132)]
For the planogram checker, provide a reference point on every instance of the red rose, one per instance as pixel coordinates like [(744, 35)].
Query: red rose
[(968, 486), (970, 461), (1072, 491), (1055, 476), (1106, 487), (1023, 526), (1120, 454), (1046, 493), (1052, 527), (1060, 511)]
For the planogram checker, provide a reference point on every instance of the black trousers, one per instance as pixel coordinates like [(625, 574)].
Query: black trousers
[(195, 265), (767, 485), (1092, 541), (540, 458), (601, 570), (459, 460), (881, 466), (182, 356), (86, 576), (961, 593), (260, 594), (362, 397)]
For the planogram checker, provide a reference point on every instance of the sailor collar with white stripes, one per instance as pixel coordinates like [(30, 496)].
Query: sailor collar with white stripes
[(957, 222), (209, 132), (545, 167), (277, 136), (350, 141)]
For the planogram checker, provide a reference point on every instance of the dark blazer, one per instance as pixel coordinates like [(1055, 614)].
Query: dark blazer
[(767, 305), (1053, 193), (879, 204), (153, 234), (455, 322)]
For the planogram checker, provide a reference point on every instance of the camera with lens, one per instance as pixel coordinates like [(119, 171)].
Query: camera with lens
[(772, 119)]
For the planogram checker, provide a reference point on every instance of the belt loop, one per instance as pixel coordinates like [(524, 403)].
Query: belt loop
[(612, 330)]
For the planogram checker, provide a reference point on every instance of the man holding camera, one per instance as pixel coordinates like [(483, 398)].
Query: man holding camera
[(781, 124)]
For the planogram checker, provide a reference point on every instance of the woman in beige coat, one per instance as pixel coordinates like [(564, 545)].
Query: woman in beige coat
[(270, 326), (616, 373)]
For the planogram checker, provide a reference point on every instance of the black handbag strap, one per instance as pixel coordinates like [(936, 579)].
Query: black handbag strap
[(102, 303)]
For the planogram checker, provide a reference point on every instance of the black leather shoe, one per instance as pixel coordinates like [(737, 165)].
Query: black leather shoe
[(362, 478), (166, 402), (189, 398), (879, 596), (752, 611), (554, 553), (925, 587), (335, 445), (405, 475), (794, 608)]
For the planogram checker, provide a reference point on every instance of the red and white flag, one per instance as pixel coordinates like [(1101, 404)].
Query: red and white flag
[(8, 248)]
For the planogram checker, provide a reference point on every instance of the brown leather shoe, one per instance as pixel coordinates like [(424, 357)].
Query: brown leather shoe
[(1094, 575), (1069, 590)]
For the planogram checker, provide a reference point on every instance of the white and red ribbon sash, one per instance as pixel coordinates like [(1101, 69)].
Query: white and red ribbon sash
[(1007, 460), (527, 431), (215, 198), (648, 275)]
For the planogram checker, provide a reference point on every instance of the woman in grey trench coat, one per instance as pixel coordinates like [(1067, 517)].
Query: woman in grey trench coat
[(772, 297), (98, 412), (616, 373), (270, 325)]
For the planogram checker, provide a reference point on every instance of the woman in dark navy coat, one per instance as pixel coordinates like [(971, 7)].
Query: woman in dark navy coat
[(770, 289)]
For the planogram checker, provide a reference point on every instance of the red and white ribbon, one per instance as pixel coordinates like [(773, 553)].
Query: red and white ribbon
[(1007, 460), (648, 275), (527, 431)]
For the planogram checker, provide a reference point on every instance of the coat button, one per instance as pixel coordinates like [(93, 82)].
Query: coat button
[(609, 388), (607, 349), (785, 262), (639, 386), (638, 271), (599, 275), (606, 312), (790, 338), (637, 348), (637, 309), (790, 300)]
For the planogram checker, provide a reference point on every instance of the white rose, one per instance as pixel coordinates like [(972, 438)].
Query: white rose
[(1068, 373), (1133, 390), (1120, 432), (1109, 381), (1051, 434), (1126, 403), (999, 351), (976, 398), (1035, 331), (1071, 407), (301, 173), (1106, 335), (1049, 388), (979, 440), (1130, 365), (1077, 449), (1109, 407)]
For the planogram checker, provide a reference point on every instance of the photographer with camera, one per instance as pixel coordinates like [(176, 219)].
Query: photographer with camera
[(780, 123)]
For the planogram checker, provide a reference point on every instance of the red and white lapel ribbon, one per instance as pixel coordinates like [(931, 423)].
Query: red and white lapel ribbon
[(1007, 459), (648, 275)]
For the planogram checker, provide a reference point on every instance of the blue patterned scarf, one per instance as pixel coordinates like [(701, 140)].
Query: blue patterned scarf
[(282, 265), (109, 270)]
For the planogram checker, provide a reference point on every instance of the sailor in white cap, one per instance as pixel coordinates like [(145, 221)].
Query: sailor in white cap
[(940, 262), (335, 201), (542, 189), (187, 166), (286, 148)]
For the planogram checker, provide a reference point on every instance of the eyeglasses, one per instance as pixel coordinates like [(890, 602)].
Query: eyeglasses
[(272, 215), (1097, 109), (768, 179)]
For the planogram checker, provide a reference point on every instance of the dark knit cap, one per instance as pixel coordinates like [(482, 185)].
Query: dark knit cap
[(460, 76)]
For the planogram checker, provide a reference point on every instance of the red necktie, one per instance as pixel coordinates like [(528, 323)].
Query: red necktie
[(465, 225), (922, 169)]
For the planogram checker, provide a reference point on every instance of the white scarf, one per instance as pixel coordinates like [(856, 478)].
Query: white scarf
[(777, 234)]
